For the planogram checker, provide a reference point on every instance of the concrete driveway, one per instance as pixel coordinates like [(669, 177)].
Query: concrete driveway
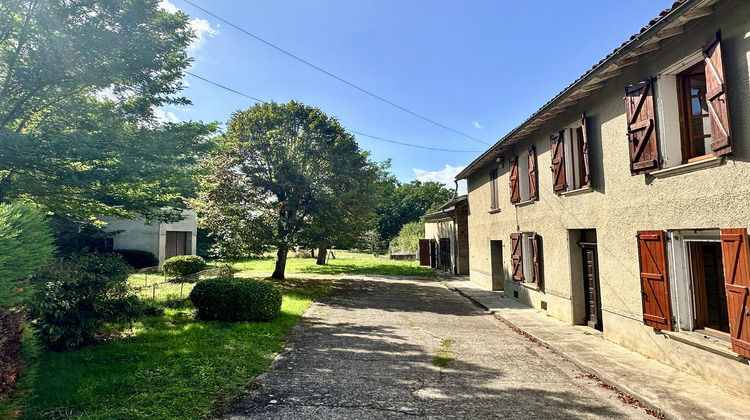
[(387, 347)]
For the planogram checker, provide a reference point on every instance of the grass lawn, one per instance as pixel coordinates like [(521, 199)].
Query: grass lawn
[(172, 366), (345, 263)]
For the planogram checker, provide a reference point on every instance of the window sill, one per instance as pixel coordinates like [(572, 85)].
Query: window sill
[(530, 286), (578, 191), (705, 342), (525, 203), (493, 211), (689, 167)]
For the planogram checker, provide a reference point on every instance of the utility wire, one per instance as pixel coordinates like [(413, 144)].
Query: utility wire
[(332, 75), (351, 131)]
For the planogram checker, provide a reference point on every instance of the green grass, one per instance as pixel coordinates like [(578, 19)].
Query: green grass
[(443, 356), (171, 366), (345, 263)]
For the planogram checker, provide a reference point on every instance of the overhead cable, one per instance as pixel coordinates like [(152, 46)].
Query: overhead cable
[(331, 74)]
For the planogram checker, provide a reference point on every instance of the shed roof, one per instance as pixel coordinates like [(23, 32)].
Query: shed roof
[(670, 22)]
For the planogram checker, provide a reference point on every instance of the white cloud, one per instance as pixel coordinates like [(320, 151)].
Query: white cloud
[(165, 117), (444, 176), (168, 7), (201, 27), (476, 125)]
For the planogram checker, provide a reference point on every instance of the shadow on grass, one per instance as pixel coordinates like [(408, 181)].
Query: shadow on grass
[(172, 366)]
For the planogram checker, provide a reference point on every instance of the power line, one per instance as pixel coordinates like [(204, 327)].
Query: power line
[(331, 74), (351, 131)]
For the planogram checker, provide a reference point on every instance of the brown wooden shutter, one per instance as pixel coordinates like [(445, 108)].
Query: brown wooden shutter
[(716, 97), (558, 162), (424, 252), (516, 253), (515, 185), (644, 152), (493, 189), (533, 190), (537, 250), (734, 250), (652, 254), (585, 153)]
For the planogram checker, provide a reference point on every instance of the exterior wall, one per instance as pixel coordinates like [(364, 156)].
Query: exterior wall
[(435, 229), (462, 222), (137, 234), (619, 205)]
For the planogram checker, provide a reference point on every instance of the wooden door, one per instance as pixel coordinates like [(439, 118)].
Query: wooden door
[(591, 286), (176, 244), (445, 254), (424, 252)]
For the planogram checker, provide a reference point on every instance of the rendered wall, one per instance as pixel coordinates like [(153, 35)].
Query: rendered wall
[(619, 204)]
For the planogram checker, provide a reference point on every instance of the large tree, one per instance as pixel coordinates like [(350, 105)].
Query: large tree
[(283, 175), (79, 82)]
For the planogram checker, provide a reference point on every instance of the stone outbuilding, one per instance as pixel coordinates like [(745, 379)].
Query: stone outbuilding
[(638, 229)]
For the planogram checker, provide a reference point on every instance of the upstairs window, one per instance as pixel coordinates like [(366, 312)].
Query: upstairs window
[(570, 158), (693, 116), (523, 177), (494, 203)]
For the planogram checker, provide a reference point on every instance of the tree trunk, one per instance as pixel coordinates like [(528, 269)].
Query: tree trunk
[(278, 272), (322, 255)]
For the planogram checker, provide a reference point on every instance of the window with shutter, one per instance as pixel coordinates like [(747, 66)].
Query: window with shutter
[(654, 279), (693, 112), (515, 184), (734, 249), (536, 246), (533, 189), (570, 157), (516, 246), (558, 162), (644, 153), (494, 202), (716, 96)]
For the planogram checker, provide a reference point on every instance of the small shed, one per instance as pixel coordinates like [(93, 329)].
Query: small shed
[(447, 237)]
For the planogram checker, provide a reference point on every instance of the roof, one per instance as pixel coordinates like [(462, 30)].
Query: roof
[(668, 24), (445, 208)]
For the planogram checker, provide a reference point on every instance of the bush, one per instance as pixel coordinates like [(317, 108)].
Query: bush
[(137, 258), (408, 238), (182, 265), (11, 360), (231, 299), (75, 298)]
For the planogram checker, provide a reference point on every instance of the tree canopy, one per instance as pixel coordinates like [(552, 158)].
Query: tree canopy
[(399, 204), (79, 82), (285, 175)]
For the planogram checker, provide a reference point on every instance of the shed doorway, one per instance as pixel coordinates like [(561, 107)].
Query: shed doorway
[(584, 278), (176, 244)]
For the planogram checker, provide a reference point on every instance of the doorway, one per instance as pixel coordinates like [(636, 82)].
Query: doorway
[(591, 285), (445, 254), (709, 293), (496, 262), (176, 244)]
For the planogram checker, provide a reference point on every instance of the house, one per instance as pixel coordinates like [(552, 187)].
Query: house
[(164, 240), (638, 229), (446, 243)]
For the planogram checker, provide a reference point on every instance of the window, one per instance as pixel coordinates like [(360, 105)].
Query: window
[(523, 177), (693, 118), (494, 204), (703, 287), (570, 158), (525, 258)]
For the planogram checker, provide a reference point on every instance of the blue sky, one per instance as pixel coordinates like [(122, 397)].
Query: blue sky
[(479, 67)]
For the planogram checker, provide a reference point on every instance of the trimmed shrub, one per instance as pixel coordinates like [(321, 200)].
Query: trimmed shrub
[(137, 258), (232, 299), (182, 265), (75, 298)]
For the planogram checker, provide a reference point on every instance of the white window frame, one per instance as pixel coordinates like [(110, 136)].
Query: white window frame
[(572, 158), (668, 115), (527, 256)]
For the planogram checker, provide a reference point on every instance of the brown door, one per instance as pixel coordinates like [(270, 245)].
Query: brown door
[(591, 286), (176, 244), (424, 252), (445, 254)]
